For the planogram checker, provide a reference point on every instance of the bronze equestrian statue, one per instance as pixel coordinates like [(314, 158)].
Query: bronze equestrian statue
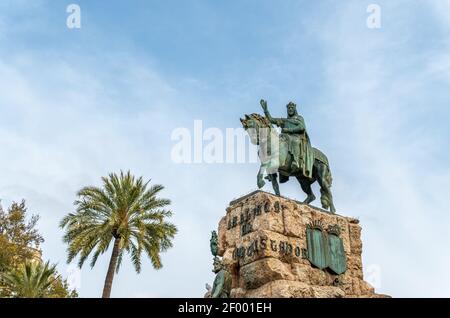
[(289, 154)]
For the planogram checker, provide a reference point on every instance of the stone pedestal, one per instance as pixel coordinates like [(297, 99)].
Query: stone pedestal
[(265, 243)]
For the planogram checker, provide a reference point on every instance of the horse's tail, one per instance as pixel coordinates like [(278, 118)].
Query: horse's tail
[(328, 177), (326, 197)]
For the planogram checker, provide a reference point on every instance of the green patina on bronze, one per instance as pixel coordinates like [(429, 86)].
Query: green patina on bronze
[(296, 137), (337, 261), (289, 154), (317, 247), (222, 282), (326, 248), (213, 244)]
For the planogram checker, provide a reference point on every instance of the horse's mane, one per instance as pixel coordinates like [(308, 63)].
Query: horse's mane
[(261, 120)]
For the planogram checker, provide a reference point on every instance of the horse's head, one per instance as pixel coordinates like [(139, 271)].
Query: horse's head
[(257, 127)]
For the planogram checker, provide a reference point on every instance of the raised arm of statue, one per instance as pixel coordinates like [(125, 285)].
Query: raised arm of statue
[(276, 121)]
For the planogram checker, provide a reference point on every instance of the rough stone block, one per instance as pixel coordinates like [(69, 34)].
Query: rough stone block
[(264, 271), (262, 239)]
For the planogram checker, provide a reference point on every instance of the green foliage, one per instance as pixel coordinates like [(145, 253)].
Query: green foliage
[(22, 273), (19, 240), (61, 289), (31, 280), (124, 209)]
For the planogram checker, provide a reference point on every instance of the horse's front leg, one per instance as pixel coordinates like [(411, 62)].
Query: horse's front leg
[(260, 178)]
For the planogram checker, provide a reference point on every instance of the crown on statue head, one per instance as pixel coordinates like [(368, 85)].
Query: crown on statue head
[(291, 104)]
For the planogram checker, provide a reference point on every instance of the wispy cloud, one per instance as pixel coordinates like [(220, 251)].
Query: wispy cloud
[(374, 100), (376, 86), (67, 121)]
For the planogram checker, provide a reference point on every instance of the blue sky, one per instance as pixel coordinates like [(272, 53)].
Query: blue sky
[(77, 104)]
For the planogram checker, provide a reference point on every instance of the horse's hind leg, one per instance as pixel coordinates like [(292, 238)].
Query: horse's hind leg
[(326, 197), (306, 187), (273, 178)]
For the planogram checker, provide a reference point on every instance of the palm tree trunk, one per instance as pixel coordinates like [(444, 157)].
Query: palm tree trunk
[(111, 269)]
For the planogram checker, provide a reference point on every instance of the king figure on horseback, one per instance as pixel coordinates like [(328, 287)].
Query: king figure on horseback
[(296, 137)]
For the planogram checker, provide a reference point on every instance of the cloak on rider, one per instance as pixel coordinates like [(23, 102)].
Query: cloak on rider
[(297, 139)]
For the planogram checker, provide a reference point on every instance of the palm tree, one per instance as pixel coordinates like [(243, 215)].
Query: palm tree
[(32, 280), (124, 211)]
